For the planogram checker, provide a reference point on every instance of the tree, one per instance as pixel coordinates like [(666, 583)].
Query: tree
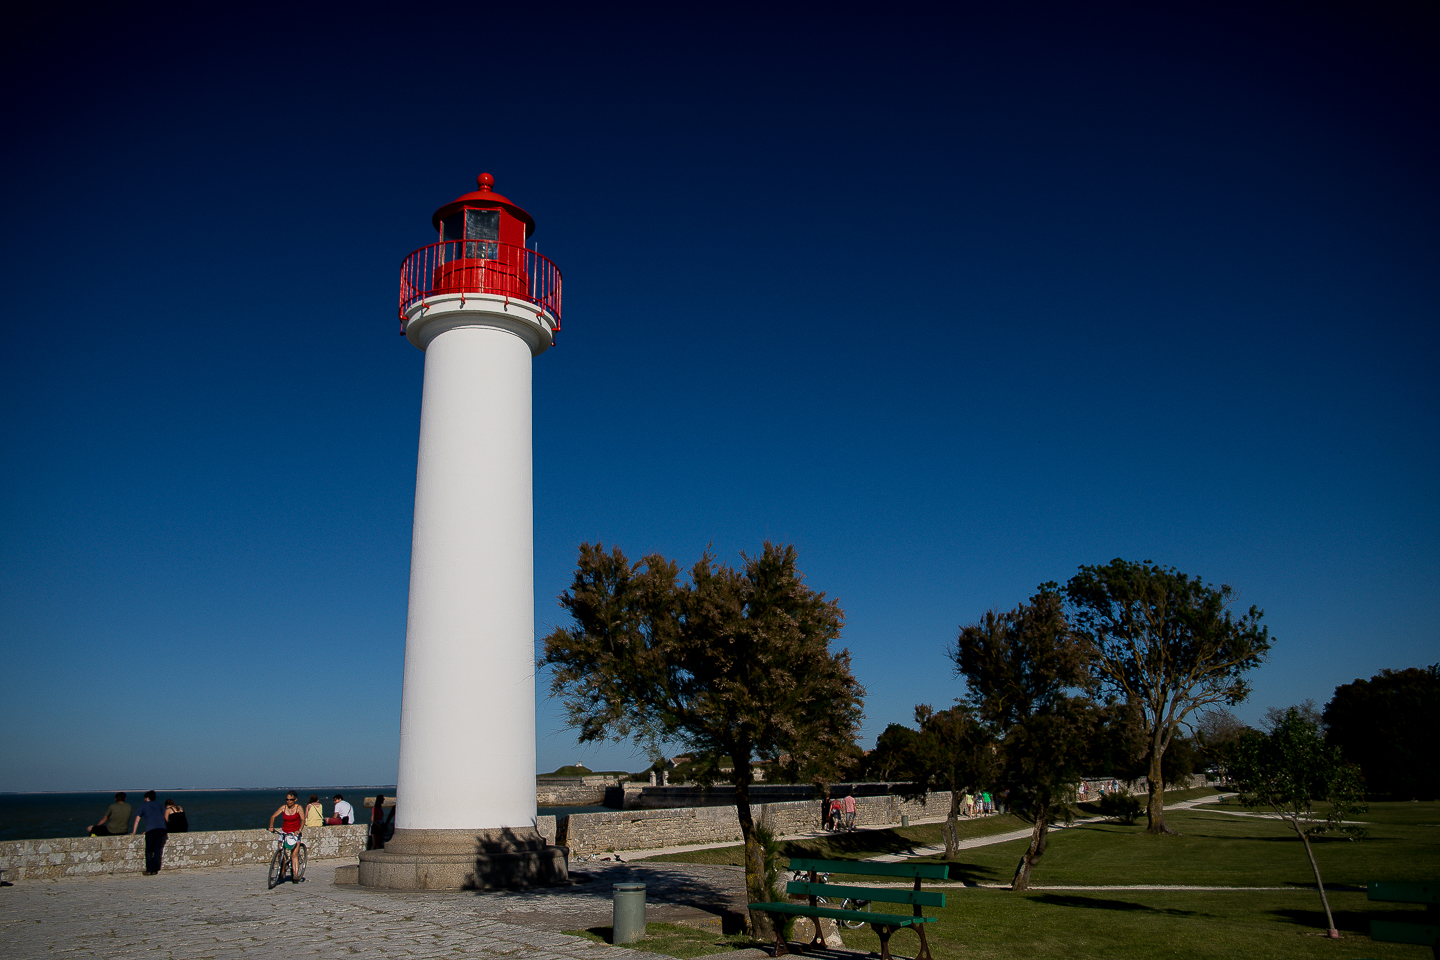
[(893, 754), (734, 664), (1019, 668), (1274, 716), (952, 751), (1389, 725), (1168, 644), (1217, 733), (1289, 769)]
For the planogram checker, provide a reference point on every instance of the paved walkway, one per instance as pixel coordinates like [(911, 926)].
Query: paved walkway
[(221, 913)]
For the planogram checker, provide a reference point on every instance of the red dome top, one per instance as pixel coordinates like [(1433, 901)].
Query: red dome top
[(484, 197)]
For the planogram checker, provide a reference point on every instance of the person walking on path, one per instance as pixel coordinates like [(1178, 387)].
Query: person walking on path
[(116, 818), (152, 815), (850, 810)]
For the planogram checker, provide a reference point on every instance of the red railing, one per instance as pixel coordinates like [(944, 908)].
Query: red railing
[(479, 266)]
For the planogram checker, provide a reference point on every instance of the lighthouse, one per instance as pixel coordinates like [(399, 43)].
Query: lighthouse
[(481, 304)]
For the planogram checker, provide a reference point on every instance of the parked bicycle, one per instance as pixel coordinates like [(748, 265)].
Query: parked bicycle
[(287, 859), (803, 876)]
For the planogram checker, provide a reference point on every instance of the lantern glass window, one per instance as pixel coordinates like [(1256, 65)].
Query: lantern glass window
[(483, 226)]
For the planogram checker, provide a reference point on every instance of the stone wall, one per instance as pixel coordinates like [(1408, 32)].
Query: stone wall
[(90, 856), (585, 833), (573, 791)]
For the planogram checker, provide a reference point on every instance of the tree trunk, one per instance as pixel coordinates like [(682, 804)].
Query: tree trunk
[(1155, 809), (952, 829), (1035, 851), (1330, 930), (759, 923)]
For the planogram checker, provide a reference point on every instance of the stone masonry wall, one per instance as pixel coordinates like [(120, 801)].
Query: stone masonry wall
[(88, 856), (572, 791), (586, 833)]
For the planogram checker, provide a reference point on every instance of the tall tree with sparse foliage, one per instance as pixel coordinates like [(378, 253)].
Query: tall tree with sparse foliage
[(1023, 669), (1290, 770), (1168, 644), (734, 663)]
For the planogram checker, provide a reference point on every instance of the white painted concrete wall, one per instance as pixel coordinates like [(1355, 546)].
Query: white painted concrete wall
[(467, 726)]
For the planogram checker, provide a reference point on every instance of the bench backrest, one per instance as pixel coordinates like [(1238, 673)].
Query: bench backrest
[(919, 898), (1403, 892), (866, 868)]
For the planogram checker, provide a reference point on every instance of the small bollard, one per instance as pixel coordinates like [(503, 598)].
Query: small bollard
[(904, 819), (628, 922)]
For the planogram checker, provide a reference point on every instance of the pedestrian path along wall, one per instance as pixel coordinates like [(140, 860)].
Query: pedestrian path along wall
[(587, 833)]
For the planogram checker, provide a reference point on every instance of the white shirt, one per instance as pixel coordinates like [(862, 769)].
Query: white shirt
[(344, 811)]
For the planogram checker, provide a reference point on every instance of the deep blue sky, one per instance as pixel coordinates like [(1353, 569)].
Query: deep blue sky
[(953, 305)]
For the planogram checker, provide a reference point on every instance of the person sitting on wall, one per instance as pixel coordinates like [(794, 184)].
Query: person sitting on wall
[(175, 819), (343, 810), (314, 812), (116, 819)]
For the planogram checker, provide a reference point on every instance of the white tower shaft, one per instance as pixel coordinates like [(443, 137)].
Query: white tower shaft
[(467, 729)]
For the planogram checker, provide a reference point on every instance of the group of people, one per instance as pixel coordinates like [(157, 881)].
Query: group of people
[(838, 813), (294, 820), (978, 804), (158, 820)]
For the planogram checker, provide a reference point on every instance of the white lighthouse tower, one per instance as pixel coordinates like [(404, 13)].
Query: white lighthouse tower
[(481, 305)]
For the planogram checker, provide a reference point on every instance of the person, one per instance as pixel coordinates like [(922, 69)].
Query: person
[(291, 817), (314, 812), (175, 819), (152, 815), (824, 813), (835, 809), (850, 810), (343, 810), (376, 839), (114, 820)]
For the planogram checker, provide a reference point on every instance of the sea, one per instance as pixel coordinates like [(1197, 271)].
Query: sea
[(45, 816)]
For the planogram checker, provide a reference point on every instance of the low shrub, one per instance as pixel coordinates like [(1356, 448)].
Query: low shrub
[(1122, 807)]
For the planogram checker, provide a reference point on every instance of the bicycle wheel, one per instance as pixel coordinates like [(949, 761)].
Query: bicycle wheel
[(849, 904), (299, 870), (277, 867)]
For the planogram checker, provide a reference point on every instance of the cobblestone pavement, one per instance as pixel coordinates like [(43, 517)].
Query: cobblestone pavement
[(226, 912)]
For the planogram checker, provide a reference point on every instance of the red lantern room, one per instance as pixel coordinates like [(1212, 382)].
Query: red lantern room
[(481, 250), (484, 217)]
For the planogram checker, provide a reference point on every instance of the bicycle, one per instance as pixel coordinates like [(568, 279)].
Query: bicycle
[(802, 876), (281, 864)]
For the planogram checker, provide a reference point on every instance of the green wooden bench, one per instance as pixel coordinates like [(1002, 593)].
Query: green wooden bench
[(1426, 933), (884, 924)]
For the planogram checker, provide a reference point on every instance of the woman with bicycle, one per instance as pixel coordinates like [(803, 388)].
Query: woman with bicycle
[(292, 816)]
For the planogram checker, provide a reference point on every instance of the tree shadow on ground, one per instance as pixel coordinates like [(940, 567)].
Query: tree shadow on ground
[(1351, 921), (1096, 903)]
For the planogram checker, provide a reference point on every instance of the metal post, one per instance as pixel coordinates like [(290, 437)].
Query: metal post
[(628, 923), (904, 819)]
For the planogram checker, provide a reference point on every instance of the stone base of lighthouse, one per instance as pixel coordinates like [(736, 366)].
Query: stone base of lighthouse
[(464, 860)]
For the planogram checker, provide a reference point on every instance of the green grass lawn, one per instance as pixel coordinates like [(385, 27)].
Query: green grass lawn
[(1214, 849)]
